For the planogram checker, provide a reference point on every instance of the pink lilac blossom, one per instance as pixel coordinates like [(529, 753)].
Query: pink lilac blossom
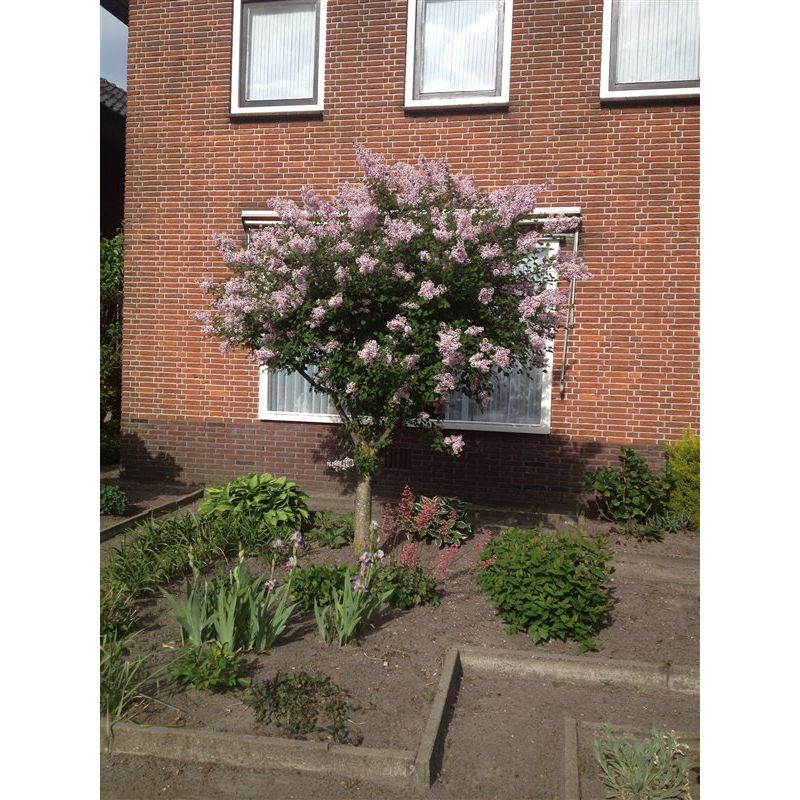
[(449, 346), (571, 267), (286, 299), (369, 352), (350, 388), (459, 253), (491, 250), (455, 443), (399, 325), (465, 187), (561, 224), (409, 183), (480, 363), (428, 290), (366, 263), (341, 464), (332, 346), (410, 362), (501, 270), (445, 382), (372, 164), (399, 271), (528, 242), (512, 202), (343, 248), (474, 330), (411, 305), (317, 314), (264, 356), (424, 255), (335, 301), (502, 357), (400, 231), (342, 275), (206, 285), (465, 229), (403, 394), (485, 295)]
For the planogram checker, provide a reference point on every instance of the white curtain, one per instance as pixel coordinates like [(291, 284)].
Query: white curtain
[(459, 52), (516, 399), (657, 40), (290, 393), (281, 55)]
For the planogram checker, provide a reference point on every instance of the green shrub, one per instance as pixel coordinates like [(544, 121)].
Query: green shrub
[(650, 769), (296, 704), (208, 667), (409, 586), (654, 528), (551, 586), (683, 458), (235, 610), (277, 501), (109, 442), (111, 286), (331, 530), (632, 492), (314, 584), (160, 551), (113, 500)]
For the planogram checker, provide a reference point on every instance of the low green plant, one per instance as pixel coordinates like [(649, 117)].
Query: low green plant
[(441, 519), (409, 586), (632, 492), (654, 528), (275, 500), (118, 614), (235, 610), (343, 618), (650, 769), (552, 586), (297, 704), (113, 501), (331, 530), (314, 584), (683, 458), (210, 666), (125, 685)]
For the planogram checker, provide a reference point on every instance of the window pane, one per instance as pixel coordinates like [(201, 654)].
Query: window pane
[(657, 40), (290, 393), (515, 399), (281, 53), (459, 46)]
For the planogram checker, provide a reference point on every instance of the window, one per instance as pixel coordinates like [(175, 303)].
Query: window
[(651, 48), (520, 404), (278, 58), (458, 53)]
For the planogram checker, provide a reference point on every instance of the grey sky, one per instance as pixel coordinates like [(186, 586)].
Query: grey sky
[(113, 49)]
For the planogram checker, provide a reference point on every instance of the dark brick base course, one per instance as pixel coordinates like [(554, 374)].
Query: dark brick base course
[(495, 469)]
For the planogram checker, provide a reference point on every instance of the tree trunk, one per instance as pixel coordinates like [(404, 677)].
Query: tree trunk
[(363, 514)]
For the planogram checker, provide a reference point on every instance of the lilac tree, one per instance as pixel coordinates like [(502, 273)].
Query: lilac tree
[(401, 289)]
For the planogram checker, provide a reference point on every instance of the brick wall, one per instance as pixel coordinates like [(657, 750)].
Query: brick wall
[(191, 413)]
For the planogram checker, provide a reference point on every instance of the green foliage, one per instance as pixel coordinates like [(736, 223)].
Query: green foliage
[(409, 586), (117, 613), (109, 442), (654, 528), (331, 530), (235, 610), (211, 666), (552, 586), (442, 519), (160, 551), (111, 280), (113, 500), (650, 769), (277, 501), (314, 584), (296, 703), (343, 618), (124, 685), (683, 458), (632, 492)]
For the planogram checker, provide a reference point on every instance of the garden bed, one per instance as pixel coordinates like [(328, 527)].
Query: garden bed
[(393, 674)]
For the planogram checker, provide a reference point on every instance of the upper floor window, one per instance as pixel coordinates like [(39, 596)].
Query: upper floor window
[(278, 60), (458, 53), (651, 48)]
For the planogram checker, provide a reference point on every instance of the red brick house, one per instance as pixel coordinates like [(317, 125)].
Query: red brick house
[(231, 102)]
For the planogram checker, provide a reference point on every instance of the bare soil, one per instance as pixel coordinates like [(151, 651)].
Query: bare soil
[(393, 673)]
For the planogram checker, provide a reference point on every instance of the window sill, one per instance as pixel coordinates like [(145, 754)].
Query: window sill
[(650, 94), (275, 111), (449, 104)]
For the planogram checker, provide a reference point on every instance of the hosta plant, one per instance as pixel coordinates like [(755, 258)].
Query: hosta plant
[(552, 586), (654, 768), (113, 501), (275, 500), (441, 519), (331, 530)]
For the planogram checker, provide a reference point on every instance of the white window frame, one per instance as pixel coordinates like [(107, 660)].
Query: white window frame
[(289, 108), (606, 93), (257, 219), (466, 100)]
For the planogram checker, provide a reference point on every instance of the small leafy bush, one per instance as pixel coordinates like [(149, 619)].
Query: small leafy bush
[(210, 666), (683, 458), (235, 610), (409, 586), (343, 618), (631, 492), (331, 530), (276, 500), (299, 704), (113, 500), (650, 769), (653, 529), (551, 586), (441, 519), (314, 584)]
